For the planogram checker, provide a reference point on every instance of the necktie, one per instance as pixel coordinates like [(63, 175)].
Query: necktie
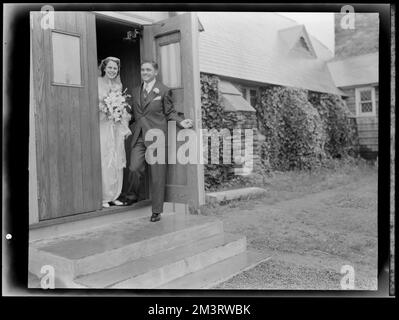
[(145, 93)]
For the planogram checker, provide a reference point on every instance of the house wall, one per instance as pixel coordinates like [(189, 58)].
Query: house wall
[(248, 120), (367, 126)]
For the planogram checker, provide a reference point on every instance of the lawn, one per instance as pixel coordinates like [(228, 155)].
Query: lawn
[(311, 224)]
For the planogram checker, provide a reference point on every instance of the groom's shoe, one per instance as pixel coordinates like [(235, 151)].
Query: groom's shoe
[(155, 217)]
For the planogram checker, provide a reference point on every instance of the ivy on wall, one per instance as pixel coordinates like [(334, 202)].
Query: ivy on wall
[(292, 127), (341, 131), (214, 117), (301, 129)]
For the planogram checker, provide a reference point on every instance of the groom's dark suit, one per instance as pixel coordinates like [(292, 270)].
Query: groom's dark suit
[(149, 112)]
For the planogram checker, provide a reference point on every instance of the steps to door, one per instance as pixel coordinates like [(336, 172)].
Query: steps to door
[(140, 254), (157, 269)]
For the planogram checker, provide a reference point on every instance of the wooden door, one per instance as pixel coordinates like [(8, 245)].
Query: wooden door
[(173, 43), (64, 66)]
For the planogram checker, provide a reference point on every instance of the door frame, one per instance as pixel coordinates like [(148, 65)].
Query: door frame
[(34, 221)]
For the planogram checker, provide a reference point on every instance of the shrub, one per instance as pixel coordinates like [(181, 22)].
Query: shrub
[(334, 114), (294, 133)]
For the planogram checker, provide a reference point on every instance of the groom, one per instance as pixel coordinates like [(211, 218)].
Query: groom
[(152, 108)]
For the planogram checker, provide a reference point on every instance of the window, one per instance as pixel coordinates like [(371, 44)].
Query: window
[(303, 48), (66, 59), (169, 56), (252, 97), (170, 65), (365, 101), (244, 93), (249, 94), (303, 43)]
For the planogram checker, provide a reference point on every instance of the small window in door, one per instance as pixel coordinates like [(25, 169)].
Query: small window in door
[(66, 62), (170, 64)]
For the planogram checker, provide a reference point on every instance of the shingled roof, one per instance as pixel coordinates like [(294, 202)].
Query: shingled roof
[(354, 71), (256, 47)]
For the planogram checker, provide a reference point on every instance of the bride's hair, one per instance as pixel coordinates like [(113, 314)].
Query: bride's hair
[(104, 63)]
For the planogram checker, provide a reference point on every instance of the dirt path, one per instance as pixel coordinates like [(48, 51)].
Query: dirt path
[(309, 238)]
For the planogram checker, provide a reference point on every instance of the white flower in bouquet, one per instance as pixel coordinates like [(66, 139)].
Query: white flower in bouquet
[(114, 105)]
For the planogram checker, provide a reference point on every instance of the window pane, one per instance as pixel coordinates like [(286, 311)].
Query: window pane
[(171, 65), (244, 93), (66, 59), (367, 107), (365, 95), (252, 94)]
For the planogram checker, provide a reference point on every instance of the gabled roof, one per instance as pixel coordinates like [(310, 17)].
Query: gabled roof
[(249, 46), (292, 37), (354, 71)]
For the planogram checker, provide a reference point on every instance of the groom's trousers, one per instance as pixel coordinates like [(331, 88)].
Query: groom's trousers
[(157, 173)]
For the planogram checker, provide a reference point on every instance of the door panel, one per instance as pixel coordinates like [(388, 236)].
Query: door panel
[(174, 42), (66, 113)]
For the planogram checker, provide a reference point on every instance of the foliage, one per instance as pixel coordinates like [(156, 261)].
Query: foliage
[(214, 117), (341, 133), (293, 129), (301, 130)]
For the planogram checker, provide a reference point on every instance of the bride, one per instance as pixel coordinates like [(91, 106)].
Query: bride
[(112, 135)]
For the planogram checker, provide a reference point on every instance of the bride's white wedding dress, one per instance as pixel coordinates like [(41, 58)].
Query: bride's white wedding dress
[(112, 138)]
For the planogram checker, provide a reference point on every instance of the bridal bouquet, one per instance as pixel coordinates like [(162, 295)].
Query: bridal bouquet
[(115, 105)]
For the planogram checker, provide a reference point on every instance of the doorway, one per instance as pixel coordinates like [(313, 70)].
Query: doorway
[(113, 40)]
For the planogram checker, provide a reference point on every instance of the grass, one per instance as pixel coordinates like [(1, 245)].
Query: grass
[(312, 223), (290, 184)]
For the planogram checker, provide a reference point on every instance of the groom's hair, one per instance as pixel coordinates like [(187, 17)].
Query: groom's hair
[(151, 62)]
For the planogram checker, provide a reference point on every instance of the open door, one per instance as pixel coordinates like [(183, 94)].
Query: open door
[(173, 43), (64, 67)]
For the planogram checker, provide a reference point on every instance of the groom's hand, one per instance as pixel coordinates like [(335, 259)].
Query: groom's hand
[(186, 123)]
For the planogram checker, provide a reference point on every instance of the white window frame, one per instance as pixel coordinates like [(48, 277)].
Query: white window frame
[(359, 112)]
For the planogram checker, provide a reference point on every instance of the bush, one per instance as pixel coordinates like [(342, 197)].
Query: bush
[(334, 114), (294, 132)]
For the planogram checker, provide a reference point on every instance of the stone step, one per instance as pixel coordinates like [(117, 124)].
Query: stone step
[(155, 270), (117, 243), (235, 194), (218, 272)]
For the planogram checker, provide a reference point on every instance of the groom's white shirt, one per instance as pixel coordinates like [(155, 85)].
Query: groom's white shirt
[(148, 86)]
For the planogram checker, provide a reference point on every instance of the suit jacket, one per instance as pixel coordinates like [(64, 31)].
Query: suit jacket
[(156, 111)]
